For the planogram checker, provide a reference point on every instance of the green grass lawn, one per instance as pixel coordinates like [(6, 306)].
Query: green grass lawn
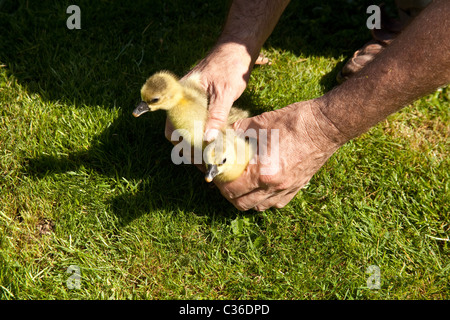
[(84, 183)]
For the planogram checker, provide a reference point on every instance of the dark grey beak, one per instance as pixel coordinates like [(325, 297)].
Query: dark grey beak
[(141, 108), (211, 172)]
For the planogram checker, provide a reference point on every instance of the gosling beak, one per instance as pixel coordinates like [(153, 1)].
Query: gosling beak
[(141, 108), (211, 172)]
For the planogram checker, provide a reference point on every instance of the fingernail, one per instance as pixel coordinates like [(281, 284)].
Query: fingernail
[(210, 135)]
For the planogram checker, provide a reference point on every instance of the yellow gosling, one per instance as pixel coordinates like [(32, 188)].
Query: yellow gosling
[(186, 104)]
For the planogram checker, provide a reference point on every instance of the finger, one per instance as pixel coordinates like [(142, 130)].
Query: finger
[(218, 111), (246, 183), (277, 201), (242, 124), (261, 60), (250, 200), (168, 129), (261, 199)]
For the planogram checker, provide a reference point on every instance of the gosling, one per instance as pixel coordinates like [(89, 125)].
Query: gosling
[(186, 104)]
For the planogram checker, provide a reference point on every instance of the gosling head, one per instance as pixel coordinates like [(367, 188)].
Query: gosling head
[(217, 161), (159, 92), (226, 158)]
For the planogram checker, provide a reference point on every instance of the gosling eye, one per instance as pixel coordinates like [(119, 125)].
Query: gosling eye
[(223, 161), (154, 100)]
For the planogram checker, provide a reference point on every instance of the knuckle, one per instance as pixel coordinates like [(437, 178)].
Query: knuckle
[(167, 134), (241, 205), (282, 186), (218, 115), (267, 179), (260, 208), (274, 182), (280, 205), (227, 193)]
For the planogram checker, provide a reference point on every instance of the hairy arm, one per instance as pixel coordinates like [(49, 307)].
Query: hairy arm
[(225, 71), (416, 63), (250, 22)]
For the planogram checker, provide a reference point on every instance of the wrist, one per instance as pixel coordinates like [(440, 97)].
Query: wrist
[(351, 114), (320, 128), (245, 51)]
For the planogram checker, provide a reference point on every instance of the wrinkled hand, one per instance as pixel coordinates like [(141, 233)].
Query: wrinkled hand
[(306, 137), (306, 140), (224, 74)]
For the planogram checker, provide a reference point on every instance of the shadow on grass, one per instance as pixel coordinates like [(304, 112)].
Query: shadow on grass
[(328, 81), (122, 43)]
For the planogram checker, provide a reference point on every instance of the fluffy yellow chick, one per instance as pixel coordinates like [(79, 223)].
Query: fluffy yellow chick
[(186, 104), (184, 100), (227, 157)]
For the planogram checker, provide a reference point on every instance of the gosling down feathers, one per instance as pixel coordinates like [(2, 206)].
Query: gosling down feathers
[(186, 104)]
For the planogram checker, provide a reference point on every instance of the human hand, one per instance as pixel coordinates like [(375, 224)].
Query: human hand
[(224, 74), (306, 140)]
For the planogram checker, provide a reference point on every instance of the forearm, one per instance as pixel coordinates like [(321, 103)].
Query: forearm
[(225, 71), (415, 64), (250, 22)]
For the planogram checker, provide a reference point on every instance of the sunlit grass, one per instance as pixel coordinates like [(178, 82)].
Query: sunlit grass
[(83, 183)]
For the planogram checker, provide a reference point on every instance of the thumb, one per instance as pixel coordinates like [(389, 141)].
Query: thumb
[(217, 117)]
